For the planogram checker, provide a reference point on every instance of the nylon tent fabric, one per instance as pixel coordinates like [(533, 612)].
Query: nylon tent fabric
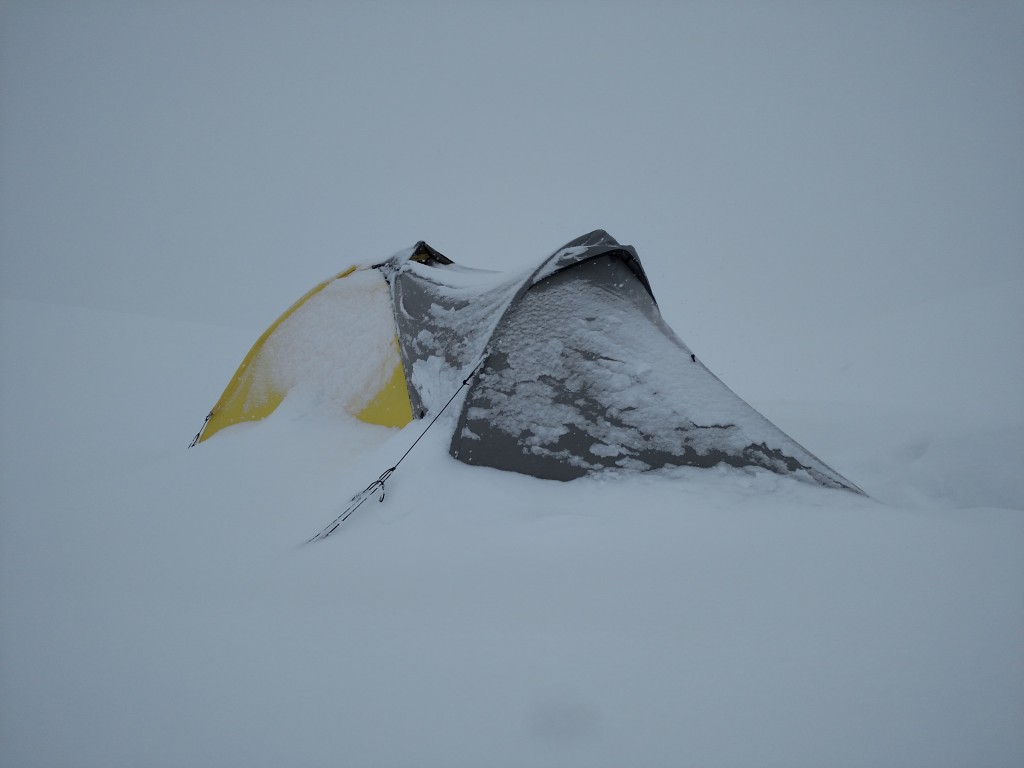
[(445, 316), (299, 350), (582, 374)]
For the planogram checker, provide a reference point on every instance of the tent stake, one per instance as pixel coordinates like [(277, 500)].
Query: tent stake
[(200, 432)]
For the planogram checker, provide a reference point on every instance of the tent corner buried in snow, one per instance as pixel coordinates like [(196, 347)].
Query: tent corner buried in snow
[(576, 371)]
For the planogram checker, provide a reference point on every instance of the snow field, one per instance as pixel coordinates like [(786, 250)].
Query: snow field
[(160, 609)]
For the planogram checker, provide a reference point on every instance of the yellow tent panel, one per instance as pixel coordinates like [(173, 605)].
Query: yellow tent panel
[(391, 406), (249, 397)]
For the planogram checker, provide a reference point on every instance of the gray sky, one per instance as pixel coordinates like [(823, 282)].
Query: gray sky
[(788, 171)]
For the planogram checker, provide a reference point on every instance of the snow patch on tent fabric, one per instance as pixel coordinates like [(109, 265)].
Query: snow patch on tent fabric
[(339, 347), (607, 451), (558, 260), (584, 372), (444, 327)]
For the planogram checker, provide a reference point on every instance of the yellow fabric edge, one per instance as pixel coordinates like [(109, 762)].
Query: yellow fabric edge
[(391, 406), (231, 407)]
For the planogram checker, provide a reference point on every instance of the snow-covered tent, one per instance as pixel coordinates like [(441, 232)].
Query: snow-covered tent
[(569, 367)]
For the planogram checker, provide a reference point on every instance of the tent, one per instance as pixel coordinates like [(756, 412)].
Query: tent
[(568, 367)]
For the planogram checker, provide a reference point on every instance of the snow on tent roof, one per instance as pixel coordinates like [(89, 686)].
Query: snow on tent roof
[(576, 371)]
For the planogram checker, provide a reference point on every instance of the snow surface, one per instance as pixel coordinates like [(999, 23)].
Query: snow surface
[(159, 608), (827, 200)]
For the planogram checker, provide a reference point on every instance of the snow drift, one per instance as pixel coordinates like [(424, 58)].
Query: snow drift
[(159, 609)]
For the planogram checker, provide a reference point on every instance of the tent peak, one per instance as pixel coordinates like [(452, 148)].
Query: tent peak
[(421, 253), (424, 254)]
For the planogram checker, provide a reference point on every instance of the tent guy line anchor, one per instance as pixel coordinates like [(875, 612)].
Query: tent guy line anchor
[(199, 434), (357, 501)]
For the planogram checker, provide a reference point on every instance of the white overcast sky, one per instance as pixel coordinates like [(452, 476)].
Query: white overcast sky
[(787, 168)]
